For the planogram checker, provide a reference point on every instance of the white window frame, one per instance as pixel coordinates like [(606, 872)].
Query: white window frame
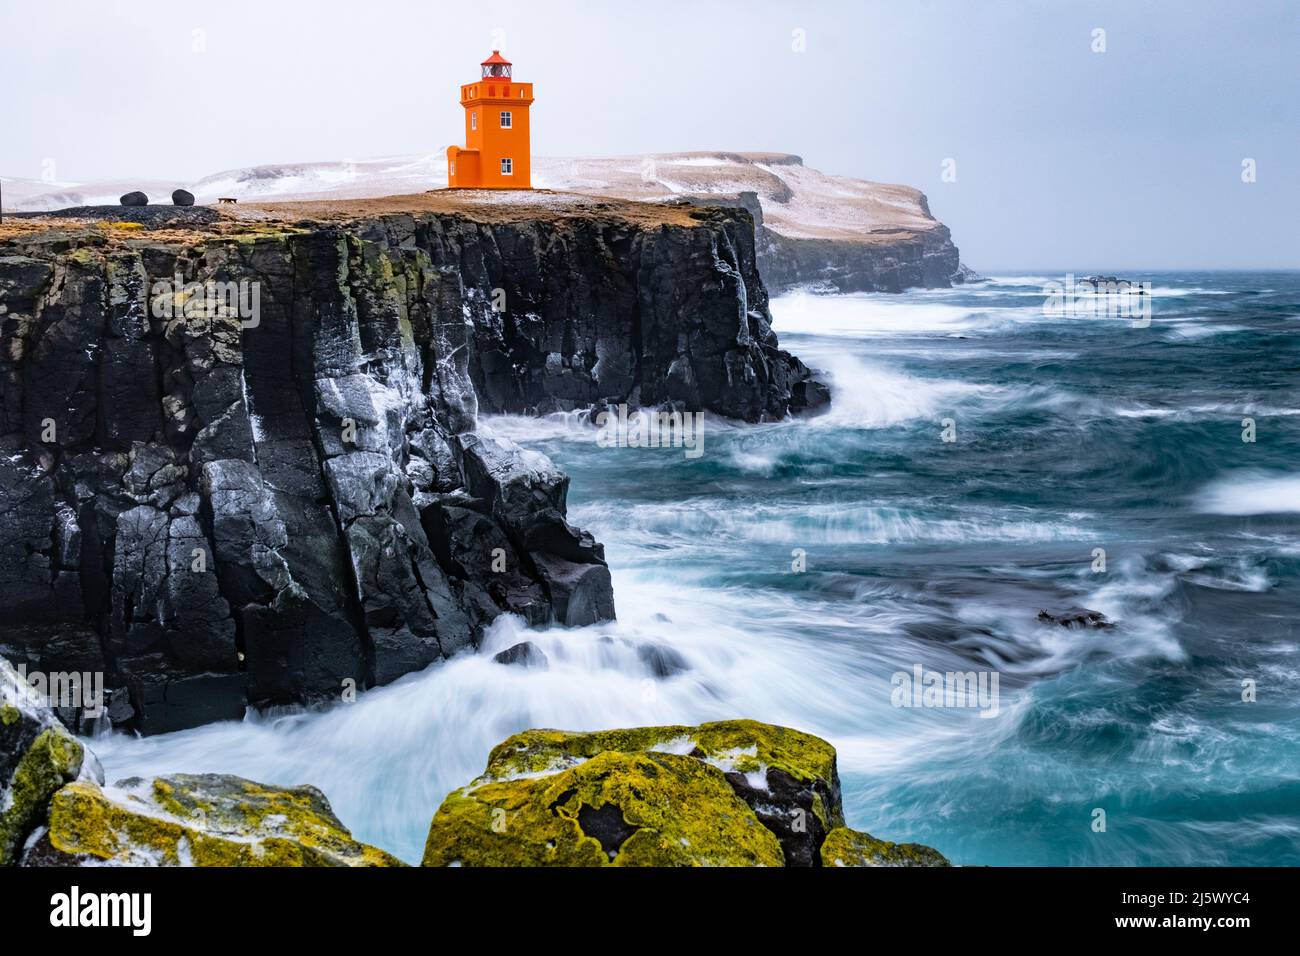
[(473, 119), (507, 166), (507, 119)]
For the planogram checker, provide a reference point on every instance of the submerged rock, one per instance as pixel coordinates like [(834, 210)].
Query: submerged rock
[(523, 654), (732, 793), (197, 820), (965, 275), (37, 757), (661, 660), (1076, 617)]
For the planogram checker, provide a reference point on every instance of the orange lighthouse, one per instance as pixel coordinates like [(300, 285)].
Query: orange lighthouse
[(495, 154)]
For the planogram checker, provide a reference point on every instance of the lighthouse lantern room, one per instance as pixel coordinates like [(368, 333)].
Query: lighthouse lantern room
[(496, 150)]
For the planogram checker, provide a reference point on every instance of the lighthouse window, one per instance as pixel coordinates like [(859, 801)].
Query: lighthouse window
[(473, 120), (507, 167), (507, 120)]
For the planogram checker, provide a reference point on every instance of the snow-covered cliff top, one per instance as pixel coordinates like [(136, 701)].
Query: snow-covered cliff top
[(797, 201)]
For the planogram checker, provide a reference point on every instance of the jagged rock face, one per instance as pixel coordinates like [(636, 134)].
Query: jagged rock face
[(903, 259), (731, 793), (574, 312), (219, 509), (915, 260)]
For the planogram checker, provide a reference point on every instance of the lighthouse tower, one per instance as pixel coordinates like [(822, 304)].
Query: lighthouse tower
[(496, 152)]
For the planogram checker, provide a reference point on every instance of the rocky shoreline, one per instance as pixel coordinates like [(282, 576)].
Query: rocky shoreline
[(283, 498), (732, 793), (277, 494)]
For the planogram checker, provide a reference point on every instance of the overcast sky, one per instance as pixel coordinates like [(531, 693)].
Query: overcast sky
[(1064, 157)]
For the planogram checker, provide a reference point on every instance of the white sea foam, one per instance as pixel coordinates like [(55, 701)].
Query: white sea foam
[(867, 314), (872, 395), (1251, 493), (387, 760), (1216, 410), (702, 524)]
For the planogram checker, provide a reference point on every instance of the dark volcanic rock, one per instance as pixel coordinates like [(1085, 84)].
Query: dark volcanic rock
[(275, 501), (1076, 617), (903, 260), (608, 311), (661, 660), (148, 216), (524, 654), (135, 199), (182, 197)]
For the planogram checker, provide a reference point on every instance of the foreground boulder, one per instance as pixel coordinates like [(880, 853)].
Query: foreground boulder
[(37, 757), (197, 820), (136, 198), (732, 793), (182, 197), (56, 811)]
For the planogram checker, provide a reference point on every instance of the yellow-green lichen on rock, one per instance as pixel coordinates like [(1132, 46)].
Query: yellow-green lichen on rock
[(845, 847), (52, 760), (624, 809), (37, 757), (746, 746), (202, 820), (730, 793)]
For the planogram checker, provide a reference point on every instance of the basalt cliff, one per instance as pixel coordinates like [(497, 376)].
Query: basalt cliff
[(239, 454)]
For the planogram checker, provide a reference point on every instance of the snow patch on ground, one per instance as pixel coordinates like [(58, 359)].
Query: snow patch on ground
[(797, 201)]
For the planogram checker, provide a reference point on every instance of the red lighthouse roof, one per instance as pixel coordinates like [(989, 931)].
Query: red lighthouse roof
[(496, 59)]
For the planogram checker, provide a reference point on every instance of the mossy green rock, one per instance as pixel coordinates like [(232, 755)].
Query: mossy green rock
[(731, 793), (199, 820), (845, 847), (625, 809), (37, 757)]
